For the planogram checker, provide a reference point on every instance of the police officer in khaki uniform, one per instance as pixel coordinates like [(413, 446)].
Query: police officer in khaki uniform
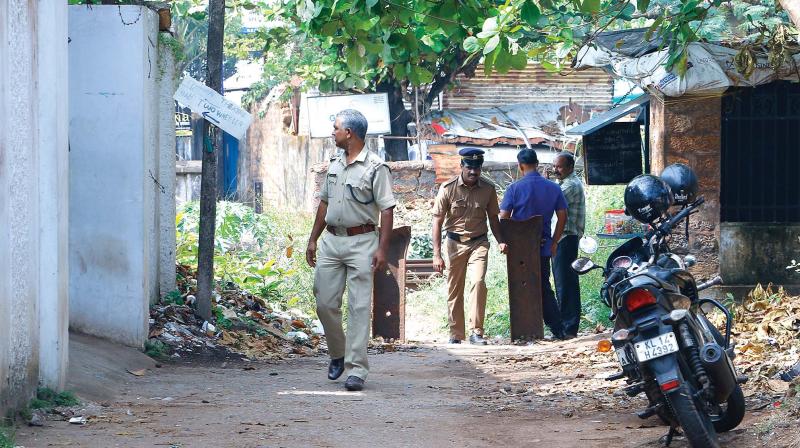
[(356, 190), (462, 207)]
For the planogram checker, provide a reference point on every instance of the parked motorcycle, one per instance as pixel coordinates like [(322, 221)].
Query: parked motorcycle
[(665, 344)]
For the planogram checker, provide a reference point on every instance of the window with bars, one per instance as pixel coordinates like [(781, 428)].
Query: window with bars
[(760, 160)]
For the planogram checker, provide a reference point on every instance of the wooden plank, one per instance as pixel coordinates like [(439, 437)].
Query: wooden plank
[(389, 290), (524, 277)]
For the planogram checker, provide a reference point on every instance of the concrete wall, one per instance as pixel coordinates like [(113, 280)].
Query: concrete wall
[(115, 180), (167, 84), (33, 177)]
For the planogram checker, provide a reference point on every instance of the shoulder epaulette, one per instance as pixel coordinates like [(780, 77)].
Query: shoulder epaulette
[(446, 183)]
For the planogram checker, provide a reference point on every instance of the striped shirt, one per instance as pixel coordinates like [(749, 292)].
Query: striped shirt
[(572, 187)]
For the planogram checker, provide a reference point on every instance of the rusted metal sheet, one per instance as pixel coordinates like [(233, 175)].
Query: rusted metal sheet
[(389, 289), (419, 272), (524, 277), (593, 88)]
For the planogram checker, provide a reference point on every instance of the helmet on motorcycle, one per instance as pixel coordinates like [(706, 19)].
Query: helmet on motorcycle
[(647, 198), (682, 181)]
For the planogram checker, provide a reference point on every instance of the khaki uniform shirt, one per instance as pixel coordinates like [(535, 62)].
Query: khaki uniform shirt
[(464, 208), (356, 193)]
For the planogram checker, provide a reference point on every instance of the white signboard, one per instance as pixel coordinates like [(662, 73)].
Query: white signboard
[(322, 112), (213, 107)]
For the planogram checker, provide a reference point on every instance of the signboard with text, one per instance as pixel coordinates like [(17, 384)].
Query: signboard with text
[(217, 110), (322, 112)]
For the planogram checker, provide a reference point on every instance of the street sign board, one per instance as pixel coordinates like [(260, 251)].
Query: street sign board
[(322, 112), (213, 107)]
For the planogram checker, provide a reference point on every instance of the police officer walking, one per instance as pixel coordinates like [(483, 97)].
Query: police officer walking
[(530, 196), (462, 207), (356, 190), (568, 289)]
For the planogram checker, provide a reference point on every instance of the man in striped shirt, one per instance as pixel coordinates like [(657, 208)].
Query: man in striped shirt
[(568, 289)]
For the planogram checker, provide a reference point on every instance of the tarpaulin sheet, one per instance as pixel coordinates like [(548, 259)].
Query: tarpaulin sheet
[(710, 69), (541, 123)]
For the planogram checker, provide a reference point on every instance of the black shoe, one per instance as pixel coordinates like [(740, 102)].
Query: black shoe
[(354, 383), (551, 338), (569, 336), (454, 341), (335, 368), (477, 339)]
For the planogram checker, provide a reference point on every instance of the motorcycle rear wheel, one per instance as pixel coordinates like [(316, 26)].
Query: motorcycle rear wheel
[(733, 413), (697, 426)]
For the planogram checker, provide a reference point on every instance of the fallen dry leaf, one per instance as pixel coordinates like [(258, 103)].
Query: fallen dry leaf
[(139, 372)]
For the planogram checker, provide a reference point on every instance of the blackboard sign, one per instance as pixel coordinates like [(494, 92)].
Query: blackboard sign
[(613, 154)]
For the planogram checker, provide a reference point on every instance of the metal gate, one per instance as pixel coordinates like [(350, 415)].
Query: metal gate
[(760, 160)]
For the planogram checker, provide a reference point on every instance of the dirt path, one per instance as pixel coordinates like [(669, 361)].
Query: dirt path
[(429, 395)]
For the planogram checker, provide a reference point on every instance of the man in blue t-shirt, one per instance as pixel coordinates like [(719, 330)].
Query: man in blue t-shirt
[(530, 196)]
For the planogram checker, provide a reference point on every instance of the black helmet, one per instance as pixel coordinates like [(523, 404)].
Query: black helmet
[(647, 197), (682, 181)]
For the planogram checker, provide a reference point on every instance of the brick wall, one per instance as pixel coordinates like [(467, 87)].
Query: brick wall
[(687, 130)]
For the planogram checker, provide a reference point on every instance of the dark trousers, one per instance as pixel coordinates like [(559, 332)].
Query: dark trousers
[(568, 288), (552, 315)]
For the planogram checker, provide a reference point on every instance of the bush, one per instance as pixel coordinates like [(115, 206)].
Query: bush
[(257, 252)]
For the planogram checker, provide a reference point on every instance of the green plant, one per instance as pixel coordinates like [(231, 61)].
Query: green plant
[(222, 321), (155, 349), (173, 297), (421, 247), (7, 436)]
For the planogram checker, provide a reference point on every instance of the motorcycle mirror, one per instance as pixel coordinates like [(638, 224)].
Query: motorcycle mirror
[(583, 265), (588, 245), (689, 261)]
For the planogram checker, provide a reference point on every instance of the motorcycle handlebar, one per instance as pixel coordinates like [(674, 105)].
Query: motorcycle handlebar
[(666, 228), (714, 281)]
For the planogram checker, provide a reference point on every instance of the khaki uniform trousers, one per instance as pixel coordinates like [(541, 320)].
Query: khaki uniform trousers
[(340, 259), (462, 258)]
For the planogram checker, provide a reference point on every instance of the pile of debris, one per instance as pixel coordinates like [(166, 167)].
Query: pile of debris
[(243, 324), (766, 330)]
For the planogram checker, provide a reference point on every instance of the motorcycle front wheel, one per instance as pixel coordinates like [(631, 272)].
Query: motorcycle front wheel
[(697, 426)]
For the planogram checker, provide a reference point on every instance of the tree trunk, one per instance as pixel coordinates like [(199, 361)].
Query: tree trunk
[(208, 181), (396, 149), (792, 7)]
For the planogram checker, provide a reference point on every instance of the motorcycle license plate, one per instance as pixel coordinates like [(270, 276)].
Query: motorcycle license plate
[(656, 347), (622, 356)]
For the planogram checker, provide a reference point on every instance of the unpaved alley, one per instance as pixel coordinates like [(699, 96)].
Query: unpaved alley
[(418, 395)]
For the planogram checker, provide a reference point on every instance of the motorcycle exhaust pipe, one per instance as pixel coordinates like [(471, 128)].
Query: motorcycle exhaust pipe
[(719, 370)]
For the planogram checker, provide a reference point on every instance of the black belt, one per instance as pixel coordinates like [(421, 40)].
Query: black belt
[(464, 239)]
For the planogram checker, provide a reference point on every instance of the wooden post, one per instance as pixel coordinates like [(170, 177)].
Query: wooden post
[(524, 277), (208, 181)]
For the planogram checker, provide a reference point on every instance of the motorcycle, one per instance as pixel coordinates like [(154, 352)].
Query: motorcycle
[(666, 346)]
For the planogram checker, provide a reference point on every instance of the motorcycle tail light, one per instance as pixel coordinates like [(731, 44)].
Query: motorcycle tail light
[(604, 346), (639, 298), (670, 385)]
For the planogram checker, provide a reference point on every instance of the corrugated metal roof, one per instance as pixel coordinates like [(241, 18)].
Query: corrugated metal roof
[(593, 88)]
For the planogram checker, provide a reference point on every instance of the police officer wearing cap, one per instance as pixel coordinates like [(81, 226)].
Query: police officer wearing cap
[(355, 192), (533, 195), (462, 207)]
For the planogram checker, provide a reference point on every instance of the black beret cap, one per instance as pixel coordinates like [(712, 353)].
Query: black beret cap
[(471, 156)]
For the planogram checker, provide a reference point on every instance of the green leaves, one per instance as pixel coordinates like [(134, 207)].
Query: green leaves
[(642, 5), (471, 44), (491, 44), (590, 6), (530, 13)]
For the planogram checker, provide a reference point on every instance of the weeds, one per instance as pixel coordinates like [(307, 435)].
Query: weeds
[(47, 399), (155, 349), (6, 436)]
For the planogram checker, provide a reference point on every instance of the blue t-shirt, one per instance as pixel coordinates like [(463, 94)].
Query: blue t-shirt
[(531, 196)]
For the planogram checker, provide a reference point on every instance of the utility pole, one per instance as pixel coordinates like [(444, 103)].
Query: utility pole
[(212, 137)]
